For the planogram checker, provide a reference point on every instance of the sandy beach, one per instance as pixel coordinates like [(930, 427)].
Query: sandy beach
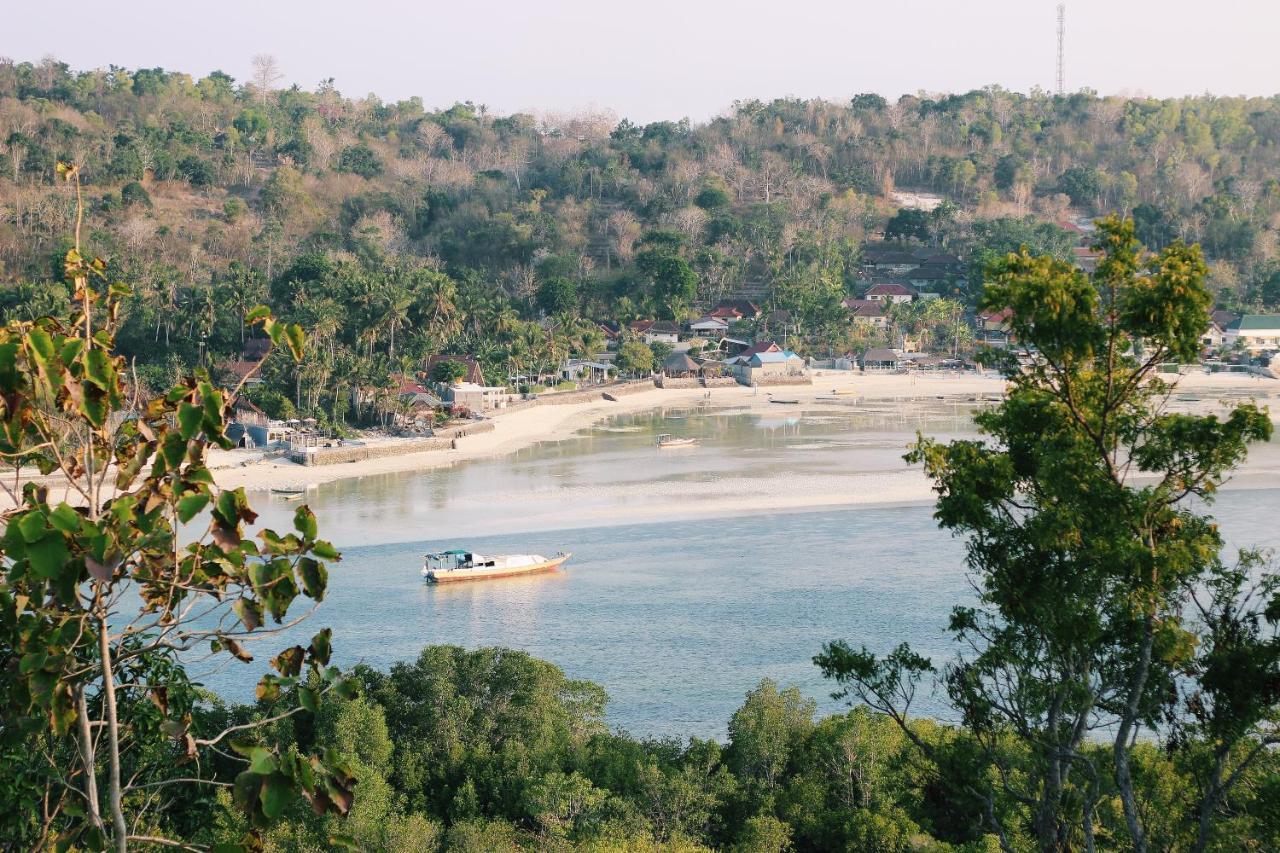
[(524, 428)]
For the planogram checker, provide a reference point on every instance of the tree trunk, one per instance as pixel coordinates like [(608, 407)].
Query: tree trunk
[(119, 828)]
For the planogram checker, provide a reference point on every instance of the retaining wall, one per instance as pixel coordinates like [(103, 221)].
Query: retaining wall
[(442, 440)]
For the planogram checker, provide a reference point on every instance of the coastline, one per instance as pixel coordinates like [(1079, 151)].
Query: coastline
[(525, 428)]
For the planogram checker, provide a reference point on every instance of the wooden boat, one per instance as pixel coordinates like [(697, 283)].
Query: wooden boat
[(784, 401), (289, 493), (667, 441), (460, 565), (609, 397), (844, 392)]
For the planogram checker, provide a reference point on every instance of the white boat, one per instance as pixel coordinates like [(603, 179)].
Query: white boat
[(667, 441), (461, 565)]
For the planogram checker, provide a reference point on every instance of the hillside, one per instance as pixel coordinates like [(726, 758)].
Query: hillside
[(394, 232)]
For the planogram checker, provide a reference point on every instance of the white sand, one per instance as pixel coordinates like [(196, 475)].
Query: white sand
[(521, 429)]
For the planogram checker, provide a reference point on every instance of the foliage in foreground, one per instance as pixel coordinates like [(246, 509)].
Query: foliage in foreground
[(1106, 612), (493, 750), (124, 560)]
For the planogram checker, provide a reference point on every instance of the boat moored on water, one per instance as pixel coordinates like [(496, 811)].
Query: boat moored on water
[(667, 441), (462, 565)]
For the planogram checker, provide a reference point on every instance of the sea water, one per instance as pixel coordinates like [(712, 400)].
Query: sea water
[(679, 614)]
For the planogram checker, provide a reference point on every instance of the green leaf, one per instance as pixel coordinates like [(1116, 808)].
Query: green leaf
[(314, 577), (99, 369), (308, 700), (32, 526), (249, 612), (47, 557), (189, 418), (304, 521), (325, 551), (32, 661), (65, 519), (277, 793), (261, 761), (296, 339), (189, 506), (258, 312), (320, 647)]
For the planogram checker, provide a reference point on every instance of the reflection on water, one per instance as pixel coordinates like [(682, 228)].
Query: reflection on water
[(677, 619)]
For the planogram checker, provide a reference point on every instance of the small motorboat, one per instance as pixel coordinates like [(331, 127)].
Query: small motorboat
[(462, 565), (289, 494), (667, 441)]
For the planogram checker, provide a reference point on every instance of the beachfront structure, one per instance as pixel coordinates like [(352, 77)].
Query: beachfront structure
[(474, 375), (767, 366), (474, 396), (587, 371), (993, 328), (880, 360), (1254, 332), (679, 364)]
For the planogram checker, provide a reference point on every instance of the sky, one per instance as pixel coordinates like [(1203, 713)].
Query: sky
[(649, 60)]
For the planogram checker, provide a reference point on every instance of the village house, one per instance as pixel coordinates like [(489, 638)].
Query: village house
[(1217, 331), (586, 371), (709, 327), (473, 375), (894, 293), (764, 366), (734, 310), (880, 360), (754, 349), (1255, 332), (993, 328), (656, 331), (869, 310)]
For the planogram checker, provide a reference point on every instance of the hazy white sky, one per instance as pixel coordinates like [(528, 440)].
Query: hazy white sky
[(655, 59)]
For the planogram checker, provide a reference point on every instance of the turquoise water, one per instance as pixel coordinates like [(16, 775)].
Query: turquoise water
[(677, 618)]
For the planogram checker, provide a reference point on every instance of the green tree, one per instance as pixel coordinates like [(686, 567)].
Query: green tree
[(635, 359), (558, 295), (101, 594), (1104, 605)]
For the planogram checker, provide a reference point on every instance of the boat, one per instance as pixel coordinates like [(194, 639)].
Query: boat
[(609, 397), (289, 493), (844, 392), (784, 401), (668, 441), (461, 565)]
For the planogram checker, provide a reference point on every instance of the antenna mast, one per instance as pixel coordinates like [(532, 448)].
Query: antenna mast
[(1062, 44)]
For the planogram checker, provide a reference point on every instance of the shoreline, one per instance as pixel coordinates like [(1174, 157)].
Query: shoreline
[(520, 430), (536, 425)]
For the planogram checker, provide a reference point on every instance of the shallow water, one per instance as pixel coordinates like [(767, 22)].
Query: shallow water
[(676, 618)]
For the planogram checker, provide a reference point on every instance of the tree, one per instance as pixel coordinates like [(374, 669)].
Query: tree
[(448, 371), (635, 358), (100, 595), (558, 295), (1104, 605), (360, 159), (266, 74)]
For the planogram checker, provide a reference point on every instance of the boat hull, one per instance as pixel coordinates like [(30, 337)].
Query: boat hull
[(485, 574)]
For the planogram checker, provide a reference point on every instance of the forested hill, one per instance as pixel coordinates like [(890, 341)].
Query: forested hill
[(393, 231)]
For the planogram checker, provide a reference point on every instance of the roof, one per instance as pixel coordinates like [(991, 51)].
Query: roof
[(709, 320), (1222, 319), (763, 346), (744, 307), (655, 326), (724, 312), (1256, 322), (880, 354), (864, 307), (474, 374), (774, 357), (679, 363), (890, 290)]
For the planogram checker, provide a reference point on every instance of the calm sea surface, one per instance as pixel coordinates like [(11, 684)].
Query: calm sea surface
[(677, 616)]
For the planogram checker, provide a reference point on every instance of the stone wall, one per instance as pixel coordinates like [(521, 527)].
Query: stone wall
[(678, 382), (442, 440), (775, 381), (719, 381)]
